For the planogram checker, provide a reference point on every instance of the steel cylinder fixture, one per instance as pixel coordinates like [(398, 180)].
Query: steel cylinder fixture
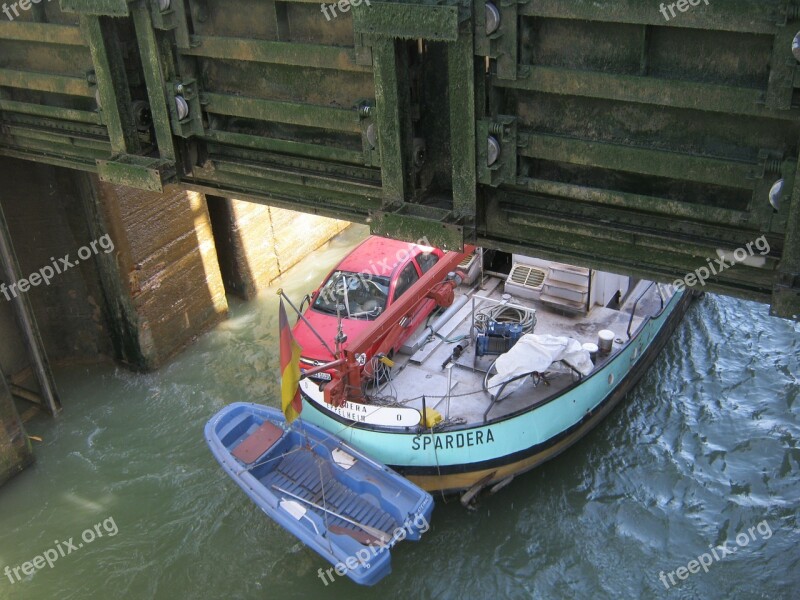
[(492, 18), (775, 193), (372, 135), (493, 151), (164, 5), (605, 341), (182, 107)]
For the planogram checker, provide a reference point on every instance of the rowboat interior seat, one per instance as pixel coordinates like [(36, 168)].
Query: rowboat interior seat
[(258, 442)]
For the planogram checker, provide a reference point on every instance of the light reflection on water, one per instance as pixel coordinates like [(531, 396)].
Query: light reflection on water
[(705, 447)]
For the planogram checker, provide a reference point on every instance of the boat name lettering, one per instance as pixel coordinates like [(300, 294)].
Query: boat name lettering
[(443, 441), (352, 411)]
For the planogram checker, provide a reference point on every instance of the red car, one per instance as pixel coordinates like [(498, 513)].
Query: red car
[(363, 285)]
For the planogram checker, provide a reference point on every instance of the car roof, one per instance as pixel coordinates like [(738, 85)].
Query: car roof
[(376, 255)]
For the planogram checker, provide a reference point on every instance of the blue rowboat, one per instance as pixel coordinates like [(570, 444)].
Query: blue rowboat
[(345, 506)]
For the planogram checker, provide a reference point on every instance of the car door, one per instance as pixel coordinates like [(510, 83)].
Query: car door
[(408, 276), (424, 262)]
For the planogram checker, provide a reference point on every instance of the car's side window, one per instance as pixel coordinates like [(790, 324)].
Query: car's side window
[(408, 276), (426, 261)]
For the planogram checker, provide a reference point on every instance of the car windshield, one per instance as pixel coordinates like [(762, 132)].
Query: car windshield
[(361, 295)]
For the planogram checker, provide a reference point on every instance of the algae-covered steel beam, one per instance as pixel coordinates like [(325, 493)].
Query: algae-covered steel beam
[(649, 141), (644, 138), (71, 91)]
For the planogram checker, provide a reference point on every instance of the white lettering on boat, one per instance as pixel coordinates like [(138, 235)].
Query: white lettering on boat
[(446, 441)]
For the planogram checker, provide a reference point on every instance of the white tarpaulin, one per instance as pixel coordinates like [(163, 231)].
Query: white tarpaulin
[(535, 352)]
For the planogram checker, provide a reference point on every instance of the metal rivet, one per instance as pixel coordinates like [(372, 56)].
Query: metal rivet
[(493, 151), (492, 18), (163, 5), (182, 107), (372, 135), (775, 193), (796, 46)]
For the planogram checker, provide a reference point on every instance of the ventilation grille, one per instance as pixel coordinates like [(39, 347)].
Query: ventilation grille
[(467, 262), (527, 276)]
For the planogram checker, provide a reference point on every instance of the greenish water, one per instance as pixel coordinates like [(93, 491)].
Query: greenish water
[(705, 448)]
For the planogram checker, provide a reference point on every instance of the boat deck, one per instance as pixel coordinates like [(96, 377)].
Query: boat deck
[(421, 374)]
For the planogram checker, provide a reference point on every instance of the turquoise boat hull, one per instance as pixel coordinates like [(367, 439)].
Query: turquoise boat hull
[(457, 459)]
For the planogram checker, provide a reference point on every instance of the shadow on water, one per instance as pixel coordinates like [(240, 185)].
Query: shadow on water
[(703, 449)]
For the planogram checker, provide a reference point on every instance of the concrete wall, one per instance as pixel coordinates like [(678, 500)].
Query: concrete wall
[(171, 286), (256, 244), (139, 302)]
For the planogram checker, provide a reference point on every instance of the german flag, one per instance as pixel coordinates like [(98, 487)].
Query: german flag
[(291, 402)]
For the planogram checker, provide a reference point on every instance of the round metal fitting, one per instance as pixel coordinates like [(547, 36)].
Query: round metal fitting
[(182, 107), (796, 47), (97, 98), (492, 18), (493, 152), (164, 5), (372, 135), (775, 193), (142, 114)]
